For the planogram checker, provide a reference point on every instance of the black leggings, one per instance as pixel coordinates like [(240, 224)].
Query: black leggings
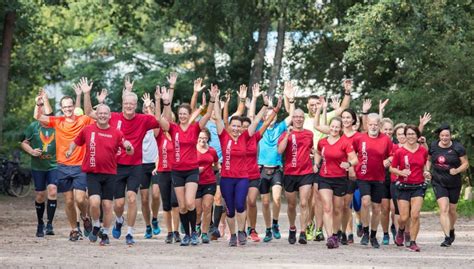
[(168, 196)]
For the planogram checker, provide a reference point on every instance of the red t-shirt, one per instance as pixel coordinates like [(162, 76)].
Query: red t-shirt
[(234, 155), (102, 146), (205, 161), (165, 152), (414, 161), (371, 152), (297, 153), (351, 138), (395, 147), (134, 130), (252, 162), (332, 156), (184, 143)]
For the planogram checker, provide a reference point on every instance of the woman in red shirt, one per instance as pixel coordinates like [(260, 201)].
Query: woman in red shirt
[(234, 173), (208, 162), (337, 156), (185, 169), (410, 165)]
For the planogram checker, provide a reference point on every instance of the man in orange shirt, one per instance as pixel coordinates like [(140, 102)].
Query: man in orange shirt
[(70, 176)]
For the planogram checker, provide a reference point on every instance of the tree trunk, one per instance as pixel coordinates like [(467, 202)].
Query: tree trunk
[(259, 59), (7, 42), (275, 74)]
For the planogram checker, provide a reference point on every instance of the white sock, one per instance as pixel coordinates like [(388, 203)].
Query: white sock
[(96, 223), (130, 230), (119, 219), (105, 231)]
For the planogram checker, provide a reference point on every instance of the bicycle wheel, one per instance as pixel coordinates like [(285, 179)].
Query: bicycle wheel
[(16, 188)]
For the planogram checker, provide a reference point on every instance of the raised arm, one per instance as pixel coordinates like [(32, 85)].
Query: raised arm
[(38, 111), (228, 94), (46, 106), (165, 96), (272, 116), (318, 125), (173, 77), (78, 92), (218, 114), (423, 121), (382, 106), (242, 100), (212, 101), (147, 103), (198, 87), (200, 109), (259, 116), (86, 89), (366, 105), (253, 104), (346, 101), (289, 97)]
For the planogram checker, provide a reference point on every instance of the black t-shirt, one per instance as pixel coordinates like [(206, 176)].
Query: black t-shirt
[(443, 159)]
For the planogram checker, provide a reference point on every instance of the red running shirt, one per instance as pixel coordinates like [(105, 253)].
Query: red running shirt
[(134, 130), (234, 155), (252, 162), (414, 161), (205, 161), (102, 146), (371, 152), (184, 143), (297, 153), (165, 152), (332, 156)]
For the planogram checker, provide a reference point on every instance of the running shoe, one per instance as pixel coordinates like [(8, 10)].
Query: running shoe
[(205, 238), (81, 237), (40, 230), (249, 231), (399, 238), (364, 240), (268, 235), (194, 239), (386, 239), (292, 237), (254, 236), (446, 242), (233, 240), (360, 231), (148, 232), (198, 229), (117, 230), (319, 235), (393, 230), (129, 240), (339, 236), (215, 234), (74, 235), (310, 231), (169, 238), (186, 241), (332, 242), (407, 239), (344, 240), (104, 240), (276, 231), (176, 237), (302, 240), (414, 247), (242, 236), (49, 229), (93, 235), (350, 239), (374, 242), (156, 227), (86, 222)]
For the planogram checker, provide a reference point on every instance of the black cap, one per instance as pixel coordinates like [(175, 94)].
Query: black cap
[(443, 126)]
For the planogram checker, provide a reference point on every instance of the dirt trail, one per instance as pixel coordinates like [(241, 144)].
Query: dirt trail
[(19, 248)]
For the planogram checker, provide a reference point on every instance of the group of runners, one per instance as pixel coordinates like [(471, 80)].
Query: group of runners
[(205, 161)]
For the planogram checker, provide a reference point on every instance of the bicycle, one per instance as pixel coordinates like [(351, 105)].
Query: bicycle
[(14, 180)]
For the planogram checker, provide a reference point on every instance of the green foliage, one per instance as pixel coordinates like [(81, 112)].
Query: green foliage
[(465, 208)]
